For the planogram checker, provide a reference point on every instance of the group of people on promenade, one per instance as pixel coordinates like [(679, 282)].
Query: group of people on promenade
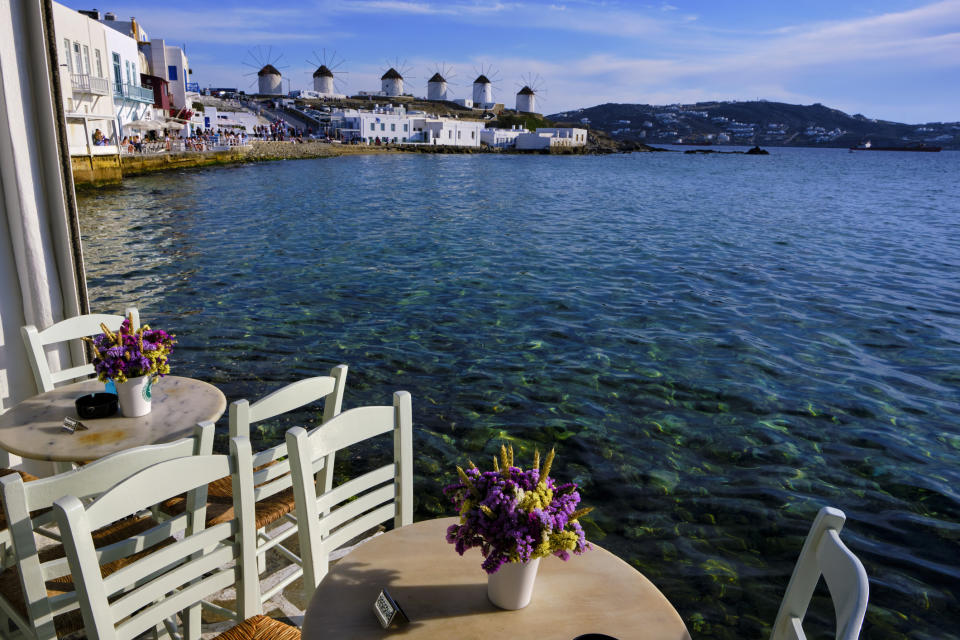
[(207, 139), (280, 131), (201, 140), (277, 131)]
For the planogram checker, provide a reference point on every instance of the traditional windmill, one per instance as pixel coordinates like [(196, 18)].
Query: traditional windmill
[(391, 82), (483, 87), (527, 96), (326, 76), (437, 84), (269, 80)]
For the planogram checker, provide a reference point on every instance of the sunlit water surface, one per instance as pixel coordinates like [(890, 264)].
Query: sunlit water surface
[(716, 345)]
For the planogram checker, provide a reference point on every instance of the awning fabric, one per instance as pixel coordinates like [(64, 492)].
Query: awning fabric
[(146, 125), (40, 280)]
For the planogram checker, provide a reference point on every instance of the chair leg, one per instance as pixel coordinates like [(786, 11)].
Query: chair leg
[(191, 622), (261, 555)]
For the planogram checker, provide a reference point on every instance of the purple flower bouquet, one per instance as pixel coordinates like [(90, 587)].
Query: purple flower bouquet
[(129, 353), (515, 515)]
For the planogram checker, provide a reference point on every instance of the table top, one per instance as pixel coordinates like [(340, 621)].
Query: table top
[(445, 595), (33, 428)]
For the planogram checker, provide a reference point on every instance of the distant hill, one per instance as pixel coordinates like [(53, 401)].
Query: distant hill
[(754, 123)]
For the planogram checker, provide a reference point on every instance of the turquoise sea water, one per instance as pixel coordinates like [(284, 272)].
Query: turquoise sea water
[(716, 345)]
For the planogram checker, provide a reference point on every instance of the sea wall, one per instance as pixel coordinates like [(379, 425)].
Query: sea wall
[(96, 170), (134, 165)]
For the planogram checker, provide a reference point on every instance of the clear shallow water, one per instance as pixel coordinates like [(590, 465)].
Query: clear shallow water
[(716, 345)]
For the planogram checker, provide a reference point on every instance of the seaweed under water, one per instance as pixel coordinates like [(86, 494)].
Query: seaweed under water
[(716, 345)]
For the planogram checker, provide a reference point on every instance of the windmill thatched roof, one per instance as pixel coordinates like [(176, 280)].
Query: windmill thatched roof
[(391, 74), (323, 72), (526, 91), (482, 79), (436, 78), (268, 70)]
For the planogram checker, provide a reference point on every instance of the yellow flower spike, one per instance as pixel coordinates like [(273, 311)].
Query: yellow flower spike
[(579, 513), (108, 333), (487, 511), (465, 479), (496, 466), (546, 465), (536, 459)]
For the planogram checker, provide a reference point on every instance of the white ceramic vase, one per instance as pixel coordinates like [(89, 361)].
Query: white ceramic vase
[(511, 587), (134, 396)]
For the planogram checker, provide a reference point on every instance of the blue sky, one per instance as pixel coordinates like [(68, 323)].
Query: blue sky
[(890, 59)]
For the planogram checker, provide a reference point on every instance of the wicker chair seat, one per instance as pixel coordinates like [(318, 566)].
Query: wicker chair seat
[(268, 510), (260, 628), (222, 490), (72, 621)]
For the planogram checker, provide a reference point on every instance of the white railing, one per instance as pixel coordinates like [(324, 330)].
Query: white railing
[(140, 94), (133, 92), (180, 145), (83, 83)]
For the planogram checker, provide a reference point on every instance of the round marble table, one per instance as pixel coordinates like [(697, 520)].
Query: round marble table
[(445, 595), (34, 428)]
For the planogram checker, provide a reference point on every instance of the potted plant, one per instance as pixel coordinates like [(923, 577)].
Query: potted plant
[(132, 358), (516, 517)]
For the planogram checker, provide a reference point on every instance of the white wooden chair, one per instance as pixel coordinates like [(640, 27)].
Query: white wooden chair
[(825, 554), (36, 592), (176, 576), (270, 475), (332, 518), (64, 331)]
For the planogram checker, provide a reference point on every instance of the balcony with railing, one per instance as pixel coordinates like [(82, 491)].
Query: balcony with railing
[(83, 83), (193, 86), (133, 92)]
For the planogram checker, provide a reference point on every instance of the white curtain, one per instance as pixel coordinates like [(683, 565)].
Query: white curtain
[(38, 281)]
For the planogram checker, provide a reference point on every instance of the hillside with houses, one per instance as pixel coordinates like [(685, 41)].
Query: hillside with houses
[(755, 123)]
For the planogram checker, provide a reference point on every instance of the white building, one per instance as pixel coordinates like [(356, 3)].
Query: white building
[(447, 131), (389, 124), (383, 123), (501, 138), (552, 138), (482, 92), (437, 87), (87, 95), (269, 81), (391, 83), (526, 100), (170, 63), (132, 101), (566, 136)]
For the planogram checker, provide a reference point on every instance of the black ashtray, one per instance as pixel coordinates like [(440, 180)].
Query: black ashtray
[(96, 405), (594, 636)]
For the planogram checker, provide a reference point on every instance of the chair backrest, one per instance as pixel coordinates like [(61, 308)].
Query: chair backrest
[(331, 518), (64, 331), (176, 575), (825, 554), (27, 506), (272, 479)]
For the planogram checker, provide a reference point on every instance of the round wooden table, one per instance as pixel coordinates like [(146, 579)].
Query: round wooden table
[(445, 595), (34, 428)]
